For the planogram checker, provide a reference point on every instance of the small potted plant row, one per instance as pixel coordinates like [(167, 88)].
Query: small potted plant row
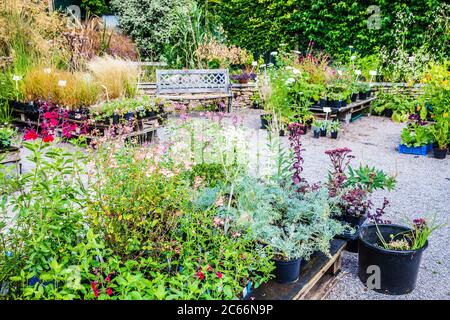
[(320, 128)]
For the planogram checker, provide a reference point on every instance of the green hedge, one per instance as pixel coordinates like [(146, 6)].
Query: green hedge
[(261, 25)]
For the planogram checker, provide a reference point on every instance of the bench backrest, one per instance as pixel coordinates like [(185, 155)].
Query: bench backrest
[(192, 81)]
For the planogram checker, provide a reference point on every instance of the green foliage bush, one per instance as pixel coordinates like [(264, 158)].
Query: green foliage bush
[(261, 26)]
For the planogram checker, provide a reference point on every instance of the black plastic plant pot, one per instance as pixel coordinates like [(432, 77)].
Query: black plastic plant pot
[(334, 104), (354, 97), (392, 272), (287, 271), (316, 134), (282, 133), (439, 153), (363, 95), (323, 132), (334, 134), (115, 118), (265, 121), (388, 113), (323, 103), (129, 116)]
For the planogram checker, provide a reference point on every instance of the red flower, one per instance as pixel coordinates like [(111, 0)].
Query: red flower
[(200, 275), (48, 138), (109, 292), (30, 135), (219, 275)]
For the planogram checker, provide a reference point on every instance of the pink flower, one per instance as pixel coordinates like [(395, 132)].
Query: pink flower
[(219, 275), (109, 292)]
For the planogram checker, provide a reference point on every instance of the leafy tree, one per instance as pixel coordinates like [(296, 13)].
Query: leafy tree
[(150, 22)]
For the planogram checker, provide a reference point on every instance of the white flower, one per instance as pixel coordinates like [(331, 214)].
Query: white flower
[(353, 58), (273, 53), (358, 72), (339, 72), (412, 59), (254, 63), (289, 68), (295, 71), (47, 70), (290, 80), (62, 83)]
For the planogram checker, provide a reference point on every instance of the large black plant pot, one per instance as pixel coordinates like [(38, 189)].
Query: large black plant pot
[(354, 97), (287, 271), (363, 95), (397, 270), (323, 103), (439, 153)]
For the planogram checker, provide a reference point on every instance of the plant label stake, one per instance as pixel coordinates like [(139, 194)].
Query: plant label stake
[(327, 111), (372, 73), (17, 78)]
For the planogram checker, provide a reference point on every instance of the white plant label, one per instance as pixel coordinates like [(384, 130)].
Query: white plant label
[(358, 72), (373, 72), (327, 110), (16, 78)]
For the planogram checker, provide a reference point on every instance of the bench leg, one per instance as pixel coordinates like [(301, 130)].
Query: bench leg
[(230, 102)]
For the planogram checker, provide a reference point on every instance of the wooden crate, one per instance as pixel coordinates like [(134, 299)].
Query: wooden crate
[(317, 277)]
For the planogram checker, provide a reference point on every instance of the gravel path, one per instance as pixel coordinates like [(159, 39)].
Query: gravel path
[(423, 187)]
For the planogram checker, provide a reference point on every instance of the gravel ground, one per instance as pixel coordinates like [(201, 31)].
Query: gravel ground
[(423, 188)]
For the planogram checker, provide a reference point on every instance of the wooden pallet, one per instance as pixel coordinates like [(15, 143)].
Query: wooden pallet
[(11, 155), (316, 279), (345, 113)]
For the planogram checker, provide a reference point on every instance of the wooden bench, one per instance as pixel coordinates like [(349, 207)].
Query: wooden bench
[(194, 85)]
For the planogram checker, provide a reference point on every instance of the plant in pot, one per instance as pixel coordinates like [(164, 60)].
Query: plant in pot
[(293, 224), (244, 77), (334, 126), (256, 100), (396, 250), (323, 128), (6, 136), (363, 89), (440, 132), (349, 191), (317, 125)]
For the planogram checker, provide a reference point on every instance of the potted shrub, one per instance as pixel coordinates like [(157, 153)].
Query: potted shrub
[(266, 119), (334, 126), (317, 124), (244, 77), (349, 189), (335, 100), (323, 128), (397, 251), (293, 224), (363, 89), (6, 136), (440, 132)]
